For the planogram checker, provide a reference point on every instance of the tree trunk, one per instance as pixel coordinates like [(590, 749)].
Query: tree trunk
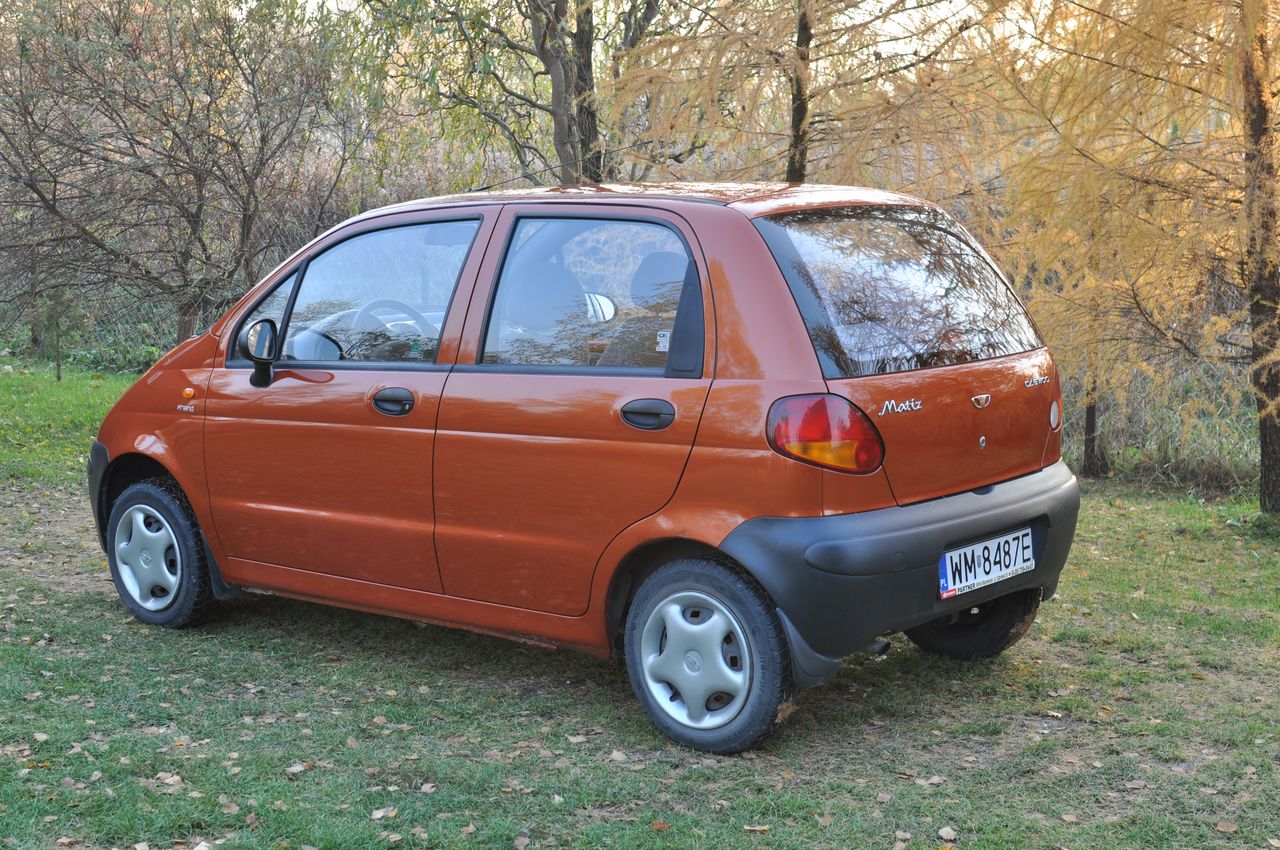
[(798, 147), (587, 120), (1261, 275), (1096, 464), (188, 315), (57, 347), (547, 23)]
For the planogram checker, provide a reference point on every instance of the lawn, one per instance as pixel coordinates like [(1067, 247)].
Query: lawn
[(1143, 711)]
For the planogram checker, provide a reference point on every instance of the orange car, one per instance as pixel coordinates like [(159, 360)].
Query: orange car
[(729, 433)]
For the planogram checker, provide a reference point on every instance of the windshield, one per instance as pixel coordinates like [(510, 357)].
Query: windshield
[(890, 289)]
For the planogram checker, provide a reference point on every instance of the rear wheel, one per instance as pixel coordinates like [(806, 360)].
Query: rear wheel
[(156, 555), (981, 631), (707, 657)]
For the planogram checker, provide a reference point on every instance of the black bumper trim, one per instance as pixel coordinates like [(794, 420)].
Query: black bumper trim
[(98, 461), (841, 581)]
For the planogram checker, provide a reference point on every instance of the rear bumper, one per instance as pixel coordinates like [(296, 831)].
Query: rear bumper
[(841, 581)]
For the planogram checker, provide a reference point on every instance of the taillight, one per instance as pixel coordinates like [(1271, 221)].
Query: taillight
[(827, 431)]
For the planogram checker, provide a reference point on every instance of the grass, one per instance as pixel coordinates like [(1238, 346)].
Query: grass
[(1141, 712), (46, 425)]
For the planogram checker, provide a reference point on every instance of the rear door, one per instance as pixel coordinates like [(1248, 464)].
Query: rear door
[(913, 324), (572, 410)]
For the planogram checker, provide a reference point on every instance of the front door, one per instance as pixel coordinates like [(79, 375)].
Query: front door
[(328, 469), (577, 409)]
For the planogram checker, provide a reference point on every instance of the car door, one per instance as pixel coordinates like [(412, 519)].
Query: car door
[(581, 378), (328, 468)]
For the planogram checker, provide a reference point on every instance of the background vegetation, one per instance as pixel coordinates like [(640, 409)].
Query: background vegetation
[(157, 157)]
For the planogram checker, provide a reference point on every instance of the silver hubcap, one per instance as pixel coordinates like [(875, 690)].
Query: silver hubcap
[(696, 661), (147, 558)]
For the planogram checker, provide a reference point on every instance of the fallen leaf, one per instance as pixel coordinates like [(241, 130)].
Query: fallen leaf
[(1274, 842), (1226, 826), (296, 768), (1135, 784), (618, 755), (41, 737), (577, 739), (659, 826), (428, 788), (883, 797), (764, 827), (469, 829), (947, 834), (1069, 818), (825, 820), (521, 842), (902, 835), (388, 812)]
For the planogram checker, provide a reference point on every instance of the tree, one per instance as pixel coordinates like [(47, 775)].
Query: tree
[(721, 73), (164, 146), (528, 69), (1147, 172)]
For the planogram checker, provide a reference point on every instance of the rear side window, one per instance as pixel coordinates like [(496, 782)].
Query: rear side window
[(588, 292), (891, 289)]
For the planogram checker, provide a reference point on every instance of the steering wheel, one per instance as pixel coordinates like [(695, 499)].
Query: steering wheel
[(366, 316)]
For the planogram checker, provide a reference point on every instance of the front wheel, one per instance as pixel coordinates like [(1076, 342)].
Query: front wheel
[(707, 657), (981, 631), (156, 555)]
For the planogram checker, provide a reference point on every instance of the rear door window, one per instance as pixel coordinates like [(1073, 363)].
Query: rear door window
[(891, 289), (594, 293)]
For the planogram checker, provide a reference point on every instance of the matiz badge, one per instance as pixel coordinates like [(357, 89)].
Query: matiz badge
[(907, 406)]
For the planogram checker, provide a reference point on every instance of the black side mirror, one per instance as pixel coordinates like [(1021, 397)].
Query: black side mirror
[(259, 343)]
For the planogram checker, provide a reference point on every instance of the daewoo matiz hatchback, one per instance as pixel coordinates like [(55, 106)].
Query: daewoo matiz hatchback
[(730, 434)]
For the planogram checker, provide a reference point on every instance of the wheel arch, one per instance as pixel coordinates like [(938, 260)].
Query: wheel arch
[(641, 562), (120, 474)]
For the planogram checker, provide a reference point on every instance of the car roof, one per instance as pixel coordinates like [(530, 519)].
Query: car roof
[(752, 199)]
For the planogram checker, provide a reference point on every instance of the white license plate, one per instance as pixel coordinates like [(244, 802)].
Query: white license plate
[(988, 562)]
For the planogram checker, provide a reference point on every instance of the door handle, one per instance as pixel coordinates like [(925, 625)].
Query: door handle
[(393, 401), (648, 414)]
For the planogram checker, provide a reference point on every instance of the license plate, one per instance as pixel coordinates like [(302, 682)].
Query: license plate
[(971, 567)]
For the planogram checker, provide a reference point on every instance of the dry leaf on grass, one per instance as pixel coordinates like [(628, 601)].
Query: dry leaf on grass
[(764, 827), (388, 812), (1226, 826), (883, 797), (947, 834)]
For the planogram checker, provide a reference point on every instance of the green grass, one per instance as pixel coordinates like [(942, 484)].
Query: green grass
[(1141, 712), (46, 426)]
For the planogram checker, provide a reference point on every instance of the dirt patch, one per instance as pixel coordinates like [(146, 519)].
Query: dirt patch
[(47, 534)]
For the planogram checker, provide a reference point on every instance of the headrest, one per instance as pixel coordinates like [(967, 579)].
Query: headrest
[(657, 281), (539, 296)]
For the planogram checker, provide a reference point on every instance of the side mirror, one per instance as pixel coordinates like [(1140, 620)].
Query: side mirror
[(260, 344)]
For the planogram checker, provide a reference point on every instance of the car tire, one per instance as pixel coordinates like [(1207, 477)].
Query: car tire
[(700, 625), (157, 555), (983, 631)]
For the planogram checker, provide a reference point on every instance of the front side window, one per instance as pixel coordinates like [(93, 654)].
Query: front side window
[(588, 292), (891, 289), (379, 296)]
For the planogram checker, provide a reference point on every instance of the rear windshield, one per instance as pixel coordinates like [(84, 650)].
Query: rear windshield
[(890, 289)]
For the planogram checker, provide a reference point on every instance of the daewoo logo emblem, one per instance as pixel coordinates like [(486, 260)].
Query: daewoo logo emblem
[(981, 401), (892, 406)]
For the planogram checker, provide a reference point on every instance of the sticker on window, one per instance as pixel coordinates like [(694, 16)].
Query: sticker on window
[(664, 341)]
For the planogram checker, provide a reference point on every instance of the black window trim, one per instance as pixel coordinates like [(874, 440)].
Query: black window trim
[(234, 361), (688, 336), (770, 230)]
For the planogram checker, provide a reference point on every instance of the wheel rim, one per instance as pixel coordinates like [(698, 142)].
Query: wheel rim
[(696, 660), (147, 558)]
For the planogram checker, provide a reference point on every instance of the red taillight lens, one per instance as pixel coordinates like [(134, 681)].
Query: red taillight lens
[(827, 431)]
